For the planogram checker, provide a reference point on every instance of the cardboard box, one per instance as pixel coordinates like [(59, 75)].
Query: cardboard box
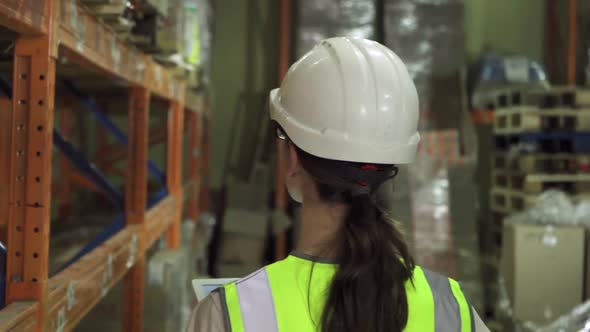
[(544, 270)]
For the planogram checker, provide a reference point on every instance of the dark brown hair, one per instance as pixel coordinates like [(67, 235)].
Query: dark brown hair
[(368, 290)]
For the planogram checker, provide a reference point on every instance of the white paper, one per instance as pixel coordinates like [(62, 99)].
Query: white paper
[(204, 287)]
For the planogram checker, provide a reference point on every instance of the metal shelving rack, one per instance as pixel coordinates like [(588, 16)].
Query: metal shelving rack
[(36, 302)]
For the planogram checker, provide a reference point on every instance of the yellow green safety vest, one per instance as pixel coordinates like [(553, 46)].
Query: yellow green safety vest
[(277, 299)]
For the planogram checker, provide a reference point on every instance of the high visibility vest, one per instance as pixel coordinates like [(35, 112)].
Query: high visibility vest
[(282, 298)]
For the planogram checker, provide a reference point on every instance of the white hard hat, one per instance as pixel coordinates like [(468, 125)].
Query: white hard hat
[(350, 100)]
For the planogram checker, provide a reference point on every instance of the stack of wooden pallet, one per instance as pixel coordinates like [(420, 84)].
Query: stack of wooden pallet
[(115, 13), (542, 141)]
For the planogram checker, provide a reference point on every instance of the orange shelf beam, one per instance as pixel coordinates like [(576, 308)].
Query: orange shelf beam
[(116, 152), (174, 168), (19, 316), (159, 219)]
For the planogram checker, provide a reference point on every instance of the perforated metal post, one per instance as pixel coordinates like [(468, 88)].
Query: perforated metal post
[(174, 167), (135, 203), (206, 151), (29, 172), (194, 157), (5, 121)]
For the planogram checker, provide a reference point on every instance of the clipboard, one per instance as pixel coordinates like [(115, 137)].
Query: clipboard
[(204, 287)]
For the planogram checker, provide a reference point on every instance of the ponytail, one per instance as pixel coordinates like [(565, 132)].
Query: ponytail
[(368, 290)]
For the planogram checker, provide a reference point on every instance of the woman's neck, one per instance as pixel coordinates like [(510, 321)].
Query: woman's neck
[(320, 224)]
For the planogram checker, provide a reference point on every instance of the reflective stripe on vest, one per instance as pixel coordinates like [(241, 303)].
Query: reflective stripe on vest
[(275, 299)]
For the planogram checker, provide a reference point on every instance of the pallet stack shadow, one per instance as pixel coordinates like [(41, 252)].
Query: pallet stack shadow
[(115, 13), (541, 142), (172, 31)]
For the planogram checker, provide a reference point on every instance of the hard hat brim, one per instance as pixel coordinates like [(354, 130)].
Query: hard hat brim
[(324, 143)]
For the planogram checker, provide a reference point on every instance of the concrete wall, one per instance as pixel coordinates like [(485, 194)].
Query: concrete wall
[(505, 27), (243, 70)]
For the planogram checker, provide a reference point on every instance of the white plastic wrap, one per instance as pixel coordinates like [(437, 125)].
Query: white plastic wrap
[(577, 320), (168, 291), (321, 19), (198, 19), (205, 227), (439, 237), (205, 21), (554, 207), (428, 36)]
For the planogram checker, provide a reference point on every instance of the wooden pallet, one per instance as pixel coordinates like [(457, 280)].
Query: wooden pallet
[(557, 96), (523, 119), (543, 163), (568, 97), (537, 183), (509, 201), (545, 142)]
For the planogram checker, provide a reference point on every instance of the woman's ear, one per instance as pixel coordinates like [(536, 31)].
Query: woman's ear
[(293, 166)]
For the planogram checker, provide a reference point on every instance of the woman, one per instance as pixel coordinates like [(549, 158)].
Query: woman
[(349, 112)]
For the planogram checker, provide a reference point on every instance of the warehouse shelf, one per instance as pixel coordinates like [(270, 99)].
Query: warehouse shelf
[(87, 40), (25, 16), (49, 30)]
